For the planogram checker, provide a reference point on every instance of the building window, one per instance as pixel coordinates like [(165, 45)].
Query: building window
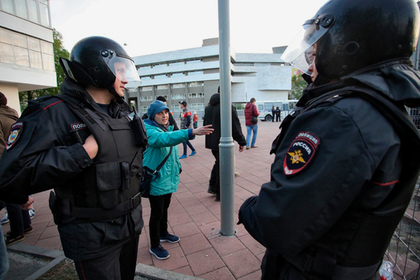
[(160, 76), (143, 109), (194, 61), (178, 96), (146, 98), (177, 63), (34, 10), (196, 107), (159, 87), (178, 85), (19, 49), (196, 95), (196, 84), (146, 89), (180, 74)]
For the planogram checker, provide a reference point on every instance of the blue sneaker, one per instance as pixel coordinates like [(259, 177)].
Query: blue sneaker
[(5, 219), (183, 156), (159, 252), (170, 238), (193, 153)]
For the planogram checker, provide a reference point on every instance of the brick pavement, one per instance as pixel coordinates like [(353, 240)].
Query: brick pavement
[(194, 216)]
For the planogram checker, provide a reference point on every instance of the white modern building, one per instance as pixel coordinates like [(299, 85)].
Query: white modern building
[(26, 48), (193, 75)]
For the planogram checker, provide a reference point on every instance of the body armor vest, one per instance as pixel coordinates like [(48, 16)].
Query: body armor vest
[(109, 188)]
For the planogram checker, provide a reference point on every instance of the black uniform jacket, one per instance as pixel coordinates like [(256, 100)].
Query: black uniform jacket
[(212, 116), (47, 153), (335, 179)]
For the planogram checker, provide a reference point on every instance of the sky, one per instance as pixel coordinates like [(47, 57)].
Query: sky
[(154, 26)]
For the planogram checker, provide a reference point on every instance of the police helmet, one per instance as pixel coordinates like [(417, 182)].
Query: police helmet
[(352, 34), (92, 62)]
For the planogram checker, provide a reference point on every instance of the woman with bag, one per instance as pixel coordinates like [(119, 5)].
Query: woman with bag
[(251, 122), (163, 148)]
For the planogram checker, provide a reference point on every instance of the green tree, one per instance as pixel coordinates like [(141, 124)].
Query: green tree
[(298, 84), (59, 51)]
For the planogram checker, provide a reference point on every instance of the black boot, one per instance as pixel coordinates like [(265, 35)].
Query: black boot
[(217, 197), (211, 190)]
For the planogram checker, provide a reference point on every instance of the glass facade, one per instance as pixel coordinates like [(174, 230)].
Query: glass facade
[(27, 51), (36, 11)]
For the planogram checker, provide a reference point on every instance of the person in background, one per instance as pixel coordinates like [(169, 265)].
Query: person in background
[(195, 120), (252, 128), (273, 113), (163, 140), (212, 116), (343, 173), (171, 114), (92, 159), (186, 123), (20, 222), (278, 112)]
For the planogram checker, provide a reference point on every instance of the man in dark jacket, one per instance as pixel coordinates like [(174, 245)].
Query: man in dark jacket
[(212, 116), (82, 144), (343, 172)]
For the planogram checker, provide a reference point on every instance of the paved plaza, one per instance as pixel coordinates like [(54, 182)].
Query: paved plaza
[(194, 216)]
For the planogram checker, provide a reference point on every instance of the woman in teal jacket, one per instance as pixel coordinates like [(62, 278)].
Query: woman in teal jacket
[(161, 138)]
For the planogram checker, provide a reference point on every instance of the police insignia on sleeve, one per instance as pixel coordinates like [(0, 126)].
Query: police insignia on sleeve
[(300, 153), (15, 132)]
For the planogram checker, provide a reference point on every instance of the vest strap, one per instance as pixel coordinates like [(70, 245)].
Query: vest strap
[(106, 214)]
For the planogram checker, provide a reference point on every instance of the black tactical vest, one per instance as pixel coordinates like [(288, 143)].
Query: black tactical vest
[(109, 188)]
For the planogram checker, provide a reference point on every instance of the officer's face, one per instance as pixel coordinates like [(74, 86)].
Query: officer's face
[(120, 78), (312, 66), (162, 117)]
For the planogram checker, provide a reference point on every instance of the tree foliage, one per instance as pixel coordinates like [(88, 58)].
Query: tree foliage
[(298, 84), (59, 51)]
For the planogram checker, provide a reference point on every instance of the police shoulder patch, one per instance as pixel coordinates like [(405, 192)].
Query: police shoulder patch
[(300, 153), (15, 132)]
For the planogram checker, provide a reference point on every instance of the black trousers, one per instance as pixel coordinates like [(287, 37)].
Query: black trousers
[(119, 264), (215, 172), (19, 219), (158, 223)]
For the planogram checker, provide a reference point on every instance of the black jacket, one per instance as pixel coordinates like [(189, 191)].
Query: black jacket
[(48, 154), (341, 179), (212, 116)]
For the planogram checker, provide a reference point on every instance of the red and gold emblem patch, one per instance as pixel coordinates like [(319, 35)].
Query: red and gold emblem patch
[(300, 153)]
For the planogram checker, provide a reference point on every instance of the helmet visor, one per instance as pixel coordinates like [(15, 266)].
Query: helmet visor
[(299, 52), (123, 68)]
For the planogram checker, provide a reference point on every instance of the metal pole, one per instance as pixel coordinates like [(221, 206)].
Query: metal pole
[(226, 145)]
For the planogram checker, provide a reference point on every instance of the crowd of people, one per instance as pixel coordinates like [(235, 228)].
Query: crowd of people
[(340, 182)]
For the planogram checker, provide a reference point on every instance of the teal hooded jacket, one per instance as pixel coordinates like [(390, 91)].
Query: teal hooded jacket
[(160, 142)]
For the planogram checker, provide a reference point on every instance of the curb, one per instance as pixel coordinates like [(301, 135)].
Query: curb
[(57, 257), (161, 274)]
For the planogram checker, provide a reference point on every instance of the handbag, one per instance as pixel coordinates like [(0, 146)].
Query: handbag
[(254, 119), (148, 174)]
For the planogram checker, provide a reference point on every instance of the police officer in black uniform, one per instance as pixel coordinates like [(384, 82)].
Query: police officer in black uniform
[(87, 145), (345, 165)]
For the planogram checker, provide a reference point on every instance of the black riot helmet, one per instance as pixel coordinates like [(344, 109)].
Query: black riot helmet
[(352, 34), (92, 62)]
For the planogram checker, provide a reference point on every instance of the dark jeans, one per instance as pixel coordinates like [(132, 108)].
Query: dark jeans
[(158, 223), (215, 172), (119, 264), (189, 145), (19, 219)]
